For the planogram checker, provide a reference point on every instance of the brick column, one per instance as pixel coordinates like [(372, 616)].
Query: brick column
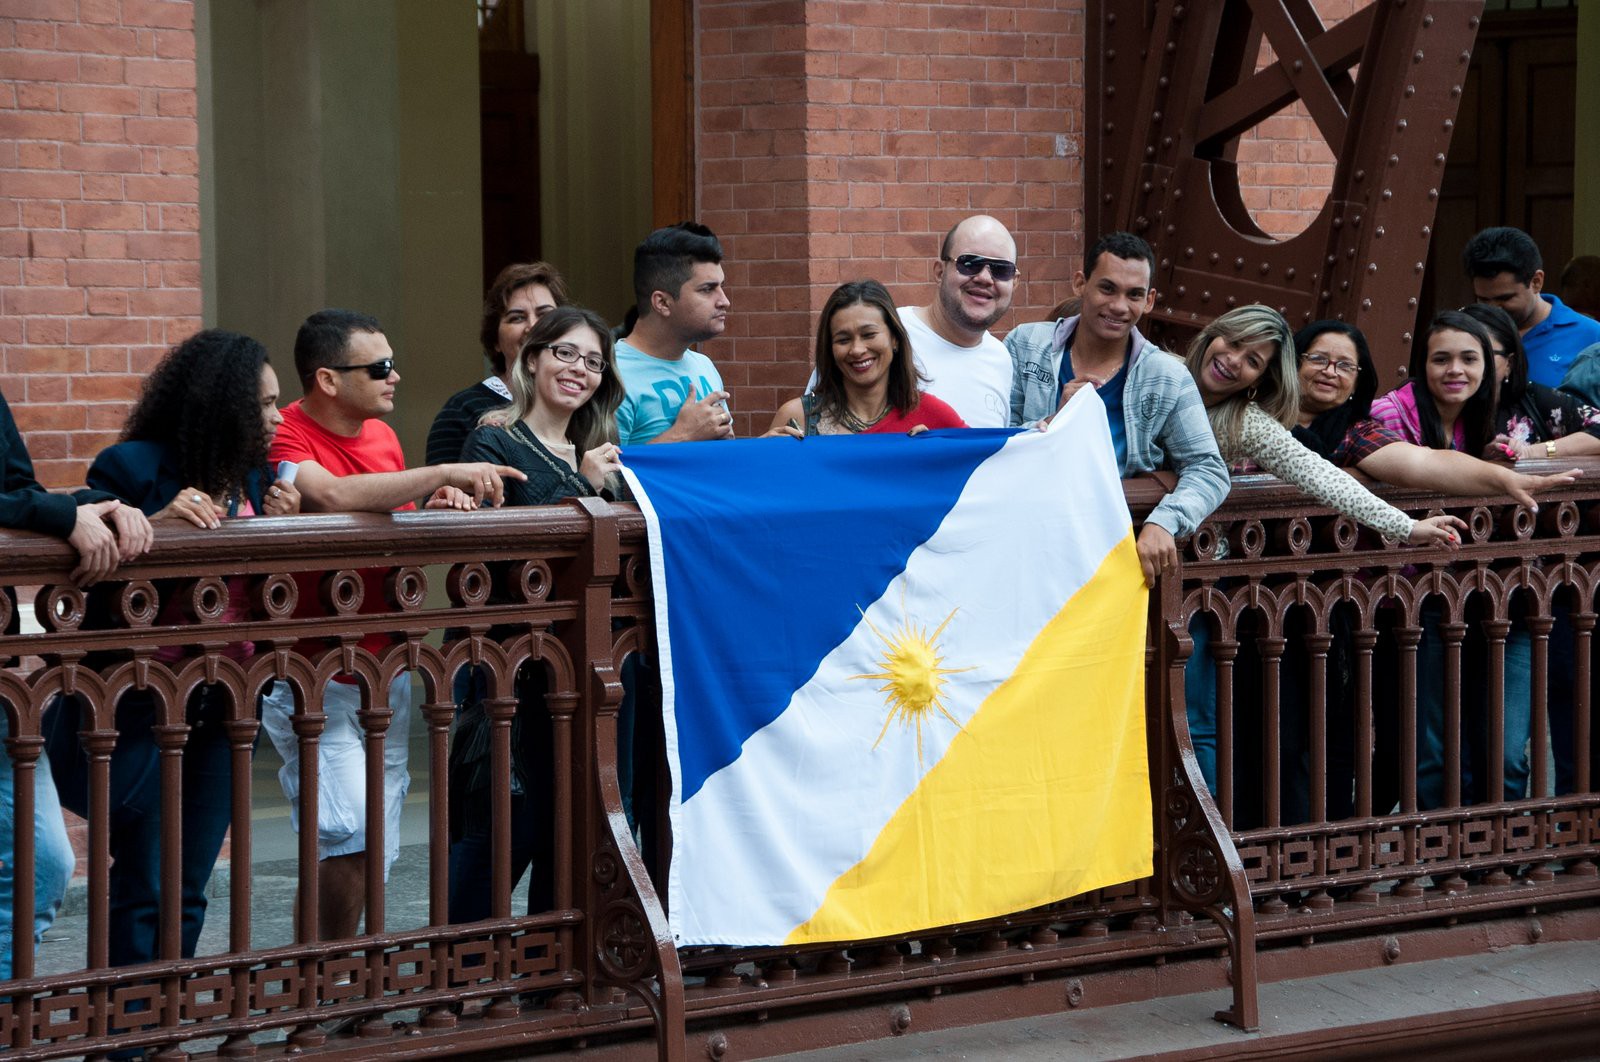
[(841, 138), (99, 213)]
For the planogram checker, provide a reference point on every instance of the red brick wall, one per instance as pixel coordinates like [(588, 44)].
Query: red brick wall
[(1285, 167), (842, 138), (99, 213)]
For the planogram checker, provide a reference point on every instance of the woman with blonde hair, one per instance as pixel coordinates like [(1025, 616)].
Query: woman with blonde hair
[(1245, 367)]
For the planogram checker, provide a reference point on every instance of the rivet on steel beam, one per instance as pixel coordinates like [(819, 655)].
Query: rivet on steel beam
[(1283, 311), (899, 1019), (716, 1046), (1355, 222), (1411, 90), (1325, 296), (1188, 252), (1449, 125), (1265, 268), (1172, 46), (1163, 81), (1411, 304), (1338, 223), (1388, 193), (1171, 229), (1427, 230), (1111, 18), (1400, 125), (1394, 160), (1473, 21), (1455, 90), (1361, 175), (1298, 66), (1344, 285), (1372, 267), (1405, 337), (1466, 56), (1214, 258), (1366, 304), (1427, 20), (1111, 127), (1110, 163), (1155, 116), (1182, 291), (1148, 187), (1177, 12), (1107, 197), (1111, 90), (1149, 151), (1166, 142), (1111, 53), (1166, 263), (1289, 273), (1332, 259), (1378, 232), (1177, 193), (1438, 160), (1205, 296), (1433, 193), (1238, 263), (1232, 302), (1391, 950), (1417, 58)]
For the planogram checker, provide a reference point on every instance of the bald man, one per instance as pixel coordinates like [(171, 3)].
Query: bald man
[(964, 363)]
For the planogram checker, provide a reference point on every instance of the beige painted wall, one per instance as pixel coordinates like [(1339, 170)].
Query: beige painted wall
[(339, 141), (594, 142)]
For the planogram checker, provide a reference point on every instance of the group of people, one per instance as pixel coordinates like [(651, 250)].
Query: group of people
[(565, 399)]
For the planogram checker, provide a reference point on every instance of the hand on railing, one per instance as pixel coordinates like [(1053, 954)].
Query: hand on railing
[(1438, 531)]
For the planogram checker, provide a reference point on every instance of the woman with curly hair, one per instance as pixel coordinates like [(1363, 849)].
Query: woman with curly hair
[(193, 449)]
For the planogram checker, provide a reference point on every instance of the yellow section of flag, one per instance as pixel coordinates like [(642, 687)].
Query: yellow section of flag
[(1044, 794)]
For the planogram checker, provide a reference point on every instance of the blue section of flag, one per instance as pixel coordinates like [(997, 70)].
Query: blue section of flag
[(814, 552)]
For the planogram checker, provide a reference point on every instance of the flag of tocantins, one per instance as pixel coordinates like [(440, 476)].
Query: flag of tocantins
[(903, 677)]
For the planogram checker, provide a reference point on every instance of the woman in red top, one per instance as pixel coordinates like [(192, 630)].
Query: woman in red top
[(866, 376)]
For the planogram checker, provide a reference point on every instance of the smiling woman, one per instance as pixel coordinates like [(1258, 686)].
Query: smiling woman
[(866, 377)]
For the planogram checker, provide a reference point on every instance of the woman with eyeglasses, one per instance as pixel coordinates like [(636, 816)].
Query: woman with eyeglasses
[(1244, 366), (194, 451), (560, 430), (866, 376)]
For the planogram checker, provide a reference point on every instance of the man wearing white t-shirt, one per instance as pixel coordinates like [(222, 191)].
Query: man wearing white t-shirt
[(963, 362)]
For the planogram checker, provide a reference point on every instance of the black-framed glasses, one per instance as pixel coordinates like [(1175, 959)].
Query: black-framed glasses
[(571, 355), (970, 265), (1319, 362), (376, 370)]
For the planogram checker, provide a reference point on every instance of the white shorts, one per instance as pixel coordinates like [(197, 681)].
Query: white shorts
[(342, 766)]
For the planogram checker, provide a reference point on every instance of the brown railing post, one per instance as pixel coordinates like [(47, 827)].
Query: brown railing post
[(1200, 868), (628, 942)]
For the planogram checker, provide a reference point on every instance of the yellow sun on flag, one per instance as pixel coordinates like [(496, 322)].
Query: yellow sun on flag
[(913, 677)]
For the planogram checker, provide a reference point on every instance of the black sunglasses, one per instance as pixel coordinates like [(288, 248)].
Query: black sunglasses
[(970, 265), (376, 370)]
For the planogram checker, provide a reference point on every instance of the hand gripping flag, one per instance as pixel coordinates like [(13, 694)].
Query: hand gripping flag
[(903, 677)]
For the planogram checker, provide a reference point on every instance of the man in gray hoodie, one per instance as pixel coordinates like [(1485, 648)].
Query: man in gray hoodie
[(1153, 408)]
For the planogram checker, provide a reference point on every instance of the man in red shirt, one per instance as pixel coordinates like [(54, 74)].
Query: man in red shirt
[(350, 461)]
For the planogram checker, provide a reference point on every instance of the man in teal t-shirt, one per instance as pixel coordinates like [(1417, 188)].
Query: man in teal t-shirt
[(674, 393)]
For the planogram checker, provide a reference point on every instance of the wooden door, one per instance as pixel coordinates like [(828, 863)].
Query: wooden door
[(1511, 157), (508, 108)]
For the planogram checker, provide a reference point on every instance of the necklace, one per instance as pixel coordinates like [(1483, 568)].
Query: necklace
[(854, 424)]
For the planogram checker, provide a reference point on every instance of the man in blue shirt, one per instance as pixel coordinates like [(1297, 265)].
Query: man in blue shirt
[(674, 393), (1507, 271)]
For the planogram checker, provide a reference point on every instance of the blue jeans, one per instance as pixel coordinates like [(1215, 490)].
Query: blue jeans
[(1200, 698), (135, 827), (53, 860), (1518, 711)]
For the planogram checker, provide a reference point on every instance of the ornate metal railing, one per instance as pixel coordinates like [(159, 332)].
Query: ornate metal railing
[(564, 589)]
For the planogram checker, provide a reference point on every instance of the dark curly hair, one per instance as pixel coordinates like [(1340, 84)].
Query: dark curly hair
[(204, 402)]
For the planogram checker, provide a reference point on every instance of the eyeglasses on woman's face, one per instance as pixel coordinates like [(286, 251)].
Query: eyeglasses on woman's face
[(1340, 367), (571, 355)]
